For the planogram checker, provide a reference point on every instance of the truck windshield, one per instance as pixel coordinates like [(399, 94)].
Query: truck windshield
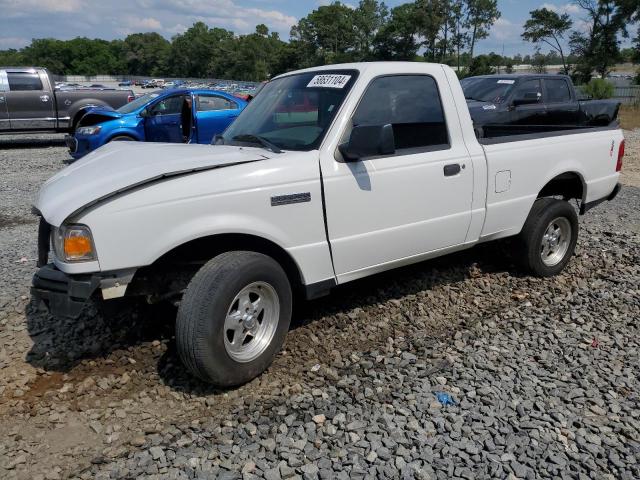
[(487, 89), (292, 112), (137, 103)]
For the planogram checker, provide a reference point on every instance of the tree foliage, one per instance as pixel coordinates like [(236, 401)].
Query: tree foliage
[(444, 31), (599, 88), (547, 26), (599, 48)]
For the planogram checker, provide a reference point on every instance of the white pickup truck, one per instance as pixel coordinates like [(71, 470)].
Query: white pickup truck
[(329, 175)]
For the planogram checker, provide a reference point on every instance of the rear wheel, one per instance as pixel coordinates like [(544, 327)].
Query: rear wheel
[(549, 237), (233, 317)]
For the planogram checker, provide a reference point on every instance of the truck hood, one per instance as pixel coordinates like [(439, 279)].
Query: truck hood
[(121, 166)]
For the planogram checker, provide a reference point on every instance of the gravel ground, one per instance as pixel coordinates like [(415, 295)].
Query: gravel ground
[(454, 368)]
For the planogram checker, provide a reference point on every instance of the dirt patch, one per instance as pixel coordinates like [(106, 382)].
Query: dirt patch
[(631, 162), (629, 117)]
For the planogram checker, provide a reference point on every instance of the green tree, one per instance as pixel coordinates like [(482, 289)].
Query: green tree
[(539, 62), (192, 52), (481, 15), (146, 53), (368, 19), (254, 57), (481, 65), (11, 58), (629, 13), (327, 34), (599, 49), (49, 53), (430, 16), (548, 27), (599, 88), (397, 39)]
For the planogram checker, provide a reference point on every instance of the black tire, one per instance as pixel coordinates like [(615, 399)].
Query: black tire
[(206, 302), (122, 138), (529, 243)]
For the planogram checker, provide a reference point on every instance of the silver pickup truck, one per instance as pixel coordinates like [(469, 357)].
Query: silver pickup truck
[(29, 101)]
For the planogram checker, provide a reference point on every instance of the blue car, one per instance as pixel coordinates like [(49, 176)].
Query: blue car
[(158, 117)]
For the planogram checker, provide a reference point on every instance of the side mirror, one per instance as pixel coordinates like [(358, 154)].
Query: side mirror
[(368, 141), (144, 113), (527, 98)]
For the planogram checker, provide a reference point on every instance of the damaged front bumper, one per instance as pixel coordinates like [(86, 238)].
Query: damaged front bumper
[(63, 295)]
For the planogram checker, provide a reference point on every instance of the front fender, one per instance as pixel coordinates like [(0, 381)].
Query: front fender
[(138, 227), (79, 108)]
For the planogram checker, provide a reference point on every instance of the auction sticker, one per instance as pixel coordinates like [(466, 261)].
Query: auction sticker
[(508, 82), (329, 81)]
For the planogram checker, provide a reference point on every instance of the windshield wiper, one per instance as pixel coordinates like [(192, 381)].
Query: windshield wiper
[(471, 98), (250, 138)]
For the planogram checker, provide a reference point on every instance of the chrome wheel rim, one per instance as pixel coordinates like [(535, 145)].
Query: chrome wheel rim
[(251, 322), (555, 241)]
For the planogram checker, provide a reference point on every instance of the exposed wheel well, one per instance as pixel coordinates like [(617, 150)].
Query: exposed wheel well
[(120, 135), (172, 271), (567, 185), (77, 117)]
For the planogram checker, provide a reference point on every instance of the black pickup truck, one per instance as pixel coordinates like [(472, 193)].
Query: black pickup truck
[(29, 101), (525, 103)]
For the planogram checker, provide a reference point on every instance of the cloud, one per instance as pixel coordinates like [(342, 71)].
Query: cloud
[(20, 6), (13, 42), (569, 8), (66, 19), (144, 23), (504, 29)]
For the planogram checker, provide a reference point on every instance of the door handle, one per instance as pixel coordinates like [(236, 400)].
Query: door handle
[(452, 169), (44, 98)]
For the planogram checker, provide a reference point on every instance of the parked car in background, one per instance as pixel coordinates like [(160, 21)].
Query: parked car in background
[(125, 83), (29, 101), (157, 117), (508, 104)]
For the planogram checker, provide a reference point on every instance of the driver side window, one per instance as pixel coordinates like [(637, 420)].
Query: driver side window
[(167, 106), (529, 88), (411, 104)]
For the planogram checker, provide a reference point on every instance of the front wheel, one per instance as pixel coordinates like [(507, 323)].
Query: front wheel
[(122, 138), (549, 237), (233, 317)]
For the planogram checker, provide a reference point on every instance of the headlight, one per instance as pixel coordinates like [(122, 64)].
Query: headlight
[(73, 243), (89, 130)]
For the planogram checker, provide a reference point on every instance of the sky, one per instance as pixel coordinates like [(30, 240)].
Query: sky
[(22, 20)]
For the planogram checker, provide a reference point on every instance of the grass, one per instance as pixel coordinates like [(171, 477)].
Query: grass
[(629, 116)]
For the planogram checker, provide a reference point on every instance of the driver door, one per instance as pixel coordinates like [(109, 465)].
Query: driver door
[(386, 210), (531, 114), (163, 121)]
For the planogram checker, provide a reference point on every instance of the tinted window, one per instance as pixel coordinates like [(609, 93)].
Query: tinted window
[(557, 90), (24, 81), (487, 89), (137, 103), (411, 104), (528, 88), (207, 103), (168, 106)]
